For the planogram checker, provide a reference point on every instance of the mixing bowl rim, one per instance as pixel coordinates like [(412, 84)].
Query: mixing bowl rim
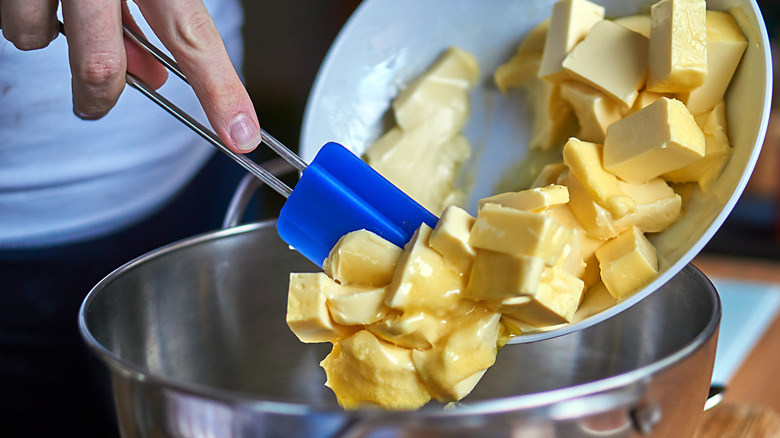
[(542, 400)]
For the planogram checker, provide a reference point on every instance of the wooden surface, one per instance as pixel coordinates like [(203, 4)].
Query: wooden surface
[(751, 404)]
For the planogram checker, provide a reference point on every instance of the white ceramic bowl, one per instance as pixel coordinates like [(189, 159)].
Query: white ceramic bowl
[(387, 43)]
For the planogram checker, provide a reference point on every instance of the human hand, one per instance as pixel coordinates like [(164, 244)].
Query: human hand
[(100, 56)]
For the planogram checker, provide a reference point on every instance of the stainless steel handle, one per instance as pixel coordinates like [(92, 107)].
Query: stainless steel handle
[(247, 188)]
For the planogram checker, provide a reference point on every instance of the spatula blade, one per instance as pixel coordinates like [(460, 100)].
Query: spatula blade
[(339, 193)]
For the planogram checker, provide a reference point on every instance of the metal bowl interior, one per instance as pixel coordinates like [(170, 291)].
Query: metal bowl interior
[(204, 319), (389, 42)]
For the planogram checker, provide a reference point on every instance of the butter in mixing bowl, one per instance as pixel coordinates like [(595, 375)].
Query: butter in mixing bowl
[(434, 328)]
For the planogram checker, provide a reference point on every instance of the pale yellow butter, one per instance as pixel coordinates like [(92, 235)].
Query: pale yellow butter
[(627, 262), (639, 23), (439, 98), (353, 306), (645, 98), (451, 238), (612, 59), (725, 46), (571, 260), (595, 300), (585, 162), (432, 161), (549, 174), (659, 138), (452, 368), (423, 277), (717, 151), (570, 22), (535, 199), (658, 206), (597, 221), (552, 116), (417, 329), (678, 46), (518, 232), (364, 371), (307, 310), (564, 216), (554, 302), (595, 111), (498, 275), (362, 258), (524, 65)]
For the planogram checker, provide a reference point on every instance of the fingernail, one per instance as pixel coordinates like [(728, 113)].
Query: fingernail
[(85, 116), (244, 133)]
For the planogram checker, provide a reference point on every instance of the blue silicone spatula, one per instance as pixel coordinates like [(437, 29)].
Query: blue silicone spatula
[(336, 194)]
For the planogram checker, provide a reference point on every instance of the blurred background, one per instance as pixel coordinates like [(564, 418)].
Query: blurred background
[(286, 41)]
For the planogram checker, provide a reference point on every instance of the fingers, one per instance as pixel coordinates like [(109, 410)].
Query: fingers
[(140, 63), (186, 29), (97, 55), (29, 24)]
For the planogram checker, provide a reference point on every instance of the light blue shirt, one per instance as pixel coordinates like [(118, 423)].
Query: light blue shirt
[(64, 179)]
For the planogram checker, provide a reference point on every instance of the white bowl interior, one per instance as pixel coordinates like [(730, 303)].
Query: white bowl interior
[(387, 43)]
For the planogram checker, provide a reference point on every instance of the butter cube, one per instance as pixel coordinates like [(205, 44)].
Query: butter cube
[(595, 111), (549, 174), (725, 46), (564, 216), (423, 278), (658, 206), (585, 162), (362, 258), (553, 120), (518, 232), (498, 275), (431, 163), (307, 310), (627, 262), (452, 368), (659, 138), (438, 100), (357, 306), (571, 260), (638, 23), (416, 329), (612, 59), (645, 98), (451, 238), (569, 24), (535, 200), (524, 65), (595, 300), (556, 300), (597, 221), (363, 372), (592, 273), (717, 151), (678, 46)]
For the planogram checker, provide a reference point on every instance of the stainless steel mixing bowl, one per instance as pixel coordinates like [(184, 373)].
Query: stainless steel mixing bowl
[(195, 341)]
